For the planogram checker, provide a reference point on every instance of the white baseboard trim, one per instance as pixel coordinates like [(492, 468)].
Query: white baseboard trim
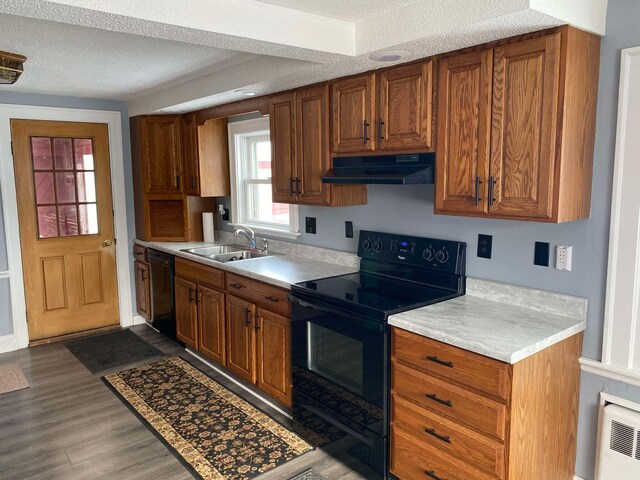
[(609, 371), (138, 320), (8, 343), (576, 477)]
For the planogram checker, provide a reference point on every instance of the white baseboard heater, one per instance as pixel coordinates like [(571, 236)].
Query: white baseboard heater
[(619, 444)]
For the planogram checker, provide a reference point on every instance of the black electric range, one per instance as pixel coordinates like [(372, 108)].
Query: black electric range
[(341, 339)]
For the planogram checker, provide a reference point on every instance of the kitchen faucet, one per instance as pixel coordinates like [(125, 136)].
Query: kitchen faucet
[(250, 236)]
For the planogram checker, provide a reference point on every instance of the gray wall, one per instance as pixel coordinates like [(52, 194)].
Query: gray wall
[(6, 324), (409, 209)]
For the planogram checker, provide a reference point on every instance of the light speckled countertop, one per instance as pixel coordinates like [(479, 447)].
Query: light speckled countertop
[(501, 321), (278, 269)]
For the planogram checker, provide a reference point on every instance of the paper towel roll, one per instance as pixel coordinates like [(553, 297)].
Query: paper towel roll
[(207, 226)]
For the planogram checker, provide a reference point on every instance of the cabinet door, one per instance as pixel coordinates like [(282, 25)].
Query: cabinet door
[(312, 145), (162, 154), (524, 124), (240, 342), (186, 312), (353, 114), (142, 289), (283, 152), (274, 354), (464, 116), (406, 106), (190, 158), (211, 323)]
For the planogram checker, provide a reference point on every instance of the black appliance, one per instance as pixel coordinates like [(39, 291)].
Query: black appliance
[(341, 339), (163, 314), (382, 169)]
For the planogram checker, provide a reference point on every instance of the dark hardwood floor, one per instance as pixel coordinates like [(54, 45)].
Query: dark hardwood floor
[(68, 425)]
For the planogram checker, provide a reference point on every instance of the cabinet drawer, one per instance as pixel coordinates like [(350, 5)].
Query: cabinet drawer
[(198, 273), (140, 253), (429, 356), (450, 438), (414, 460), (272, 298), (461, 405)]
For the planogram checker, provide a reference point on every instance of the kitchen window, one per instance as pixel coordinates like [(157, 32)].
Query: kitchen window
[(251, 198)]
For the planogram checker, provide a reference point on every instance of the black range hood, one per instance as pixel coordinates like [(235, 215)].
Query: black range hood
[(382, 169)]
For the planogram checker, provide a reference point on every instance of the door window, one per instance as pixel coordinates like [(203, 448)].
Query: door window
[(65, 186)]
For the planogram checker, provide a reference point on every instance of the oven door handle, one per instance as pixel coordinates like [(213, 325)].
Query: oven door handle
[(316, 305), (317, 411)]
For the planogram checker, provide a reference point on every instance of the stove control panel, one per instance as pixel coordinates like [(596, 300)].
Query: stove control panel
[(442, 255)]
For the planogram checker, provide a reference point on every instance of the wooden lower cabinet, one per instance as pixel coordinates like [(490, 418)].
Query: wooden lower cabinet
[(211, 324), (143, 295), (459, 415), (186, 312), (240, 342), (273, 354)]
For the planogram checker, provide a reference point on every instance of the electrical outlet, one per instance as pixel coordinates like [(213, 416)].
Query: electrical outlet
[(310, 224), (563, 257), (348, 229), (541, 254), (484, 245)]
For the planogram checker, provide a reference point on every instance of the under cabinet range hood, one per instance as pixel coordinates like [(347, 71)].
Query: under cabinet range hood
[(382, 169)]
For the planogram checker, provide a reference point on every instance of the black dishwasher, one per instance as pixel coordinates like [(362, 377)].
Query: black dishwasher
[(163, 312)]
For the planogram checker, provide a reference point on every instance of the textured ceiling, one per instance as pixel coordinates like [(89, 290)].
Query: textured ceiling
[(349, 10), (86, 62)]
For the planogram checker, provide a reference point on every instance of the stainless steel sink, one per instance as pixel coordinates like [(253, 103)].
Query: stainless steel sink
[(236, 256), (214, 250)]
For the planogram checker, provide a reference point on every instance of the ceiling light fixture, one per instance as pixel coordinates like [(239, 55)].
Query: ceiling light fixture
[(389, 56), (10, 67), (247, 92)]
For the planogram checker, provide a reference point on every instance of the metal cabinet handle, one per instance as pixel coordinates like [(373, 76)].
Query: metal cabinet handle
[(432, 431), (478, 182), (272, 299), (193, 182), (247, 320), (143, 276), (492, 183), (441, 362), (237, 286), (432, 474), (298, 192), (190, 295), (380, 124), (435, 398), (365, 126), (196, 296), (178, 182)]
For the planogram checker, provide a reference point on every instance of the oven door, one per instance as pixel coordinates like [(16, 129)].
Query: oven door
[(341, 362)]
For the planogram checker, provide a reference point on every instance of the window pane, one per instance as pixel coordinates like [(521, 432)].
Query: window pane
[(41, 152), (86, 187), (63, 153), (44, 187), (84, 153), (68, 220), (260, 209), (66, 187), (262, 155), (88, 216), (47, 222)]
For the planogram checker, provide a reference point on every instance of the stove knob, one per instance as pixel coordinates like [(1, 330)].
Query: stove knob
[(428, 254), (377, 246), (442, 256), (366, 244)]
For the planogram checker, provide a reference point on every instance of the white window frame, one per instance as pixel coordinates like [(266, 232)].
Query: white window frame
[(621, 338), (238, 131)]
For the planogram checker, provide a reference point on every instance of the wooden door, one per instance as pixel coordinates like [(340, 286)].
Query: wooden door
[(354, 114), (274, 355), (63, 186), (312, 145), (282, 128), (464, 128), (161, 154), (186, 312), (240, 341), (211, 322), (190, 160), (142, 289), (406, 107), (524, 125)]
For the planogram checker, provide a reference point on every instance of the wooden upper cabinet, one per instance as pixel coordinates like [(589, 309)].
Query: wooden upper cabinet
[(354, 114), (524, 127), (186, 312), (406, 107), (464, 102), (312, 145), (283, 148), (162, 153), (535, 161), (205, 157)]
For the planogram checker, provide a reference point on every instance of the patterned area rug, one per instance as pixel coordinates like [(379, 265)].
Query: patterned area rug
[(111, 350), (215, 433)]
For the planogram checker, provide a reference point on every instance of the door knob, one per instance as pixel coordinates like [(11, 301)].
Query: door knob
[(107, 243)]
